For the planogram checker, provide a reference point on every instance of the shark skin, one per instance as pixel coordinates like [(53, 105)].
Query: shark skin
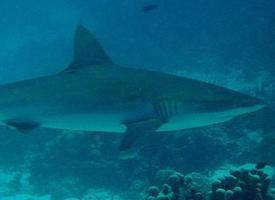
[(94, 94)]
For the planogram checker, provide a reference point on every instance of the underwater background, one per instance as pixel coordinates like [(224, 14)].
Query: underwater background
[(228, 43)]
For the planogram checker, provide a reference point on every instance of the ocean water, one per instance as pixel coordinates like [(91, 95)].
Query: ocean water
[(226, 43)]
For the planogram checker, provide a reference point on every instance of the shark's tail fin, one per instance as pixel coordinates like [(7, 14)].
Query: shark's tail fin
[(87, 50)]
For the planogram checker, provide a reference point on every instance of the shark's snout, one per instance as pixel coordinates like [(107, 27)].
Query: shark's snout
[(231, 105), (243, 104), (245, 101)]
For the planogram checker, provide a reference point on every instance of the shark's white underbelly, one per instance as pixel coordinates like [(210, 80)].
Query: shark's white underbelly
[(100, 122), (114, 121), (84, 119), (199, 119)]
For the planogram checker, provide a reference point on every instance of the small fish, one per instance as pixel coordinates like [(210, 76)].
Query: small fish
[(149, 7), (261, 165)]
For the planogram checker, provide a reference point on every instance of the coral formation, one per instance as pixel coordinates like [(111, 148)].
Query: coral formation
[(177, 187), (242, 184), (74, 167), (239, 184)]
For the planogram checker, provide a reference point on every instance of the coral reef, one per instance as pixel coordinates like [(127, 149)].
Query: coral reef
[(239, 184), (75, 162), (242, 184), (176, 187)]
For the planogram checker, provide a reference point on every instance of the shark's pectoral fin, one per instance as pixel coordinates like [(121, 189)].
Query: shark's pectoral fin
[(136, 131), (87, 51), (23, 126)]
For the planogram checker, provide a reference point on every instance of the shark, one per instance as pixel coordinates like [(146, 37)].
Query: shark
[(93, 94)]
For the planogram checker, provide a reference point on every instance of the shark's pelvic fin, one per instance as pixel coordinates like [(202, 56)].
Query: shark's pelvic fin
[(87, 50), (22, 125), (136, 131)]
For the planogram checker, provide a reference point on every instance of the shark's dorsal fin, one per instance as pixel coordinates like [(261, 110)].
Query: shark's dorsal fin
[(87, 50)]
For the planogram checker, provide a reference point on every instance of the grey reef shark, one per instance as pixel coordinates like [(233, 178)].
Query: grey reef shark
[(94, 94)]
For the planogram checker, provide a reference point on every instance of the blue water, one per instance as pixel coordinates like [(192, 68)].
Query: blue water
[(229, 43)]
